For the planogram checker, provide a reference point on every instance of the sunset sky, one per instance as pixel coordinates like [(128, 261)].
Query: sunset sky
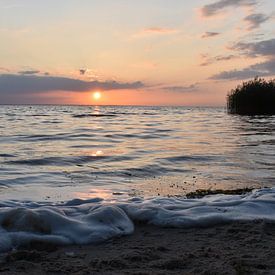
[(140, 52)]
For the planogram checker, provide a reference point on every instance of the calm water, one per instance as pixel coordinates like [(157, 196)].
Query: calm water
[(61, 152)]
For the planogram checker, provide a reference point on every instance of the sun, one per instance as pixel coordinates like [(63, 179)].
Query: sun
[(97, 95)]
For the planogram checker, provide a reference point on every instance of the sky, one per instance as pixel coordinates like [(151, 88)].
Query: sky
[(133, 52)]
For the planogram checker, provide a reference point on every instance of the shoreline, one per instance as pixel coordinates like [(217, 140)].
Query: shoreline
[(235, 248)]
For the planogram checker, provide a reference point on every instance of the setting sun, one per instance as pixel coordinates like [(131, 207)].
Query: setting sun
[(96, 95)]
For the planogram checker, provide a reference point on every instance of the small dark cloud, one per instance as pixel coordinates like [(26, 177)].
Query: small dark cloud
[(253, 49), (29, 72), (31, 84), (181, 89), (266, 68), (210, 34), (214, 8), (255, 20), (224, 57)]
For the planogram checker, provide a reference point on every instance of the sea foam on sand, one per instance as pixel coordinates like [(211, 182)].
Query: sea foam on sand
[(95, 220)]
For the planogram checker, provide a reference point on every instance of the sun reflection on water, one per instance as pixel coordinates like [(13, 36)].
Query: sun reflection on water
[(97, 153), (93, 193)]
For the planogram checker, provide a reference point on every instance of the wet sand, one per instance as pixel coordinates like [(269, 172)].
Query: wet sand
[(238, 248)]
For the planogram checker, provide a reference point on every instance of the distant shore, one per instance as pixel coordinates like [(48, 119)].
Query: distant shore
[(236, 248)]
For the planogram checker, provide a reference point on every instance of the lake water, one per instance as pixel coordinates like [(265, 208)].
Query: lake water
[(63, 152), (69, 157)]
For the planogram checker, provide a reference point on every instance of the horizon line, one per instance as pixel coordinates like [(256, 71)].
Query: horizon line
[(110, 105)]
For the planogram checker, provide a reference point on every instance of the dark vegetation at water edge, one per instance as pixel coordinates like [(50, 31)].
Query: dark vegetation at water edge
[(254, 97)]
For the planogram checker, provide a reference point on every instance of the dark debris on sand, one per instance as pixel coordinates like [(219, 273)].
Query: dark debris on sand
[(205, 192)]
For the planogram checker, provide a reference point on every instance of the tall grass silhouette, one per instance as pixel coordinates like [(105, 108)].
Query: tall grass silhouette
[(254, 97)]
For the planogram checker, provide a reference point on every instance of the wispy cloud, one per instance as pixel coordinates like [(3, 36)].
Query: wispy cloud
[(210, 34), (20, 84), (155, 31), (210, 60), (29, 72), (182, 89), (218, 6), (255, 20)]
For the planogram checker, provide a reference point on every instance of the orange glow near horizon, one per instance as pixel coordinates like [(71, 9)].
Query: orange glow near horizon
[(97, 95), (142, 97)]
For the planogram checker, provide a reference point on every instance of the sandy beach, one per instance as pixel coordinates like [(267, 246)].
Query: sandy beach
[(237, 248)]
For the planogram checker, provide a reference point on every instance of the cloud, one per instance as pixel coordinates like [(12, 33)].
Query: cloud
[(182, 89), (29, 72), (255, 20), (224, 57), (265, 48), (210, 34), (211, 60), (155, 31), (29, 84), (253, 49), (266, 68), (214, 8)]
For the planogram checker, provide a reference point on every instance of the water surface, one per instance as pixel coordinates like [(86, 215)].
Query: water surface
[(59, 153)]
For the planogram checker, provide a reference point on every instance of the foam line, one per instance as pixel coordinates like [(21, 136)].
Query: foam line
[(95, 220)]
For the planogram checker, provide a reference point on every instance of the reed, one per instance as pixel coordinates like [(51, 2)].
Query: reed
[(254, 97)]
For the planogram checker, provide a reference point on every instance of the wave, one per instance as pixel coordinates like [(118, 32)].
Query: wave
[(113, 114), (96, 220), (93, 115), (67, 161), (56, 161), (7, 156), (195, 158)]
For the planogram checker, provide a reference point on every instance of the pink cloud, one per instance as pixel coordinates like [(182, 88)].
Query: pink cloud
[(155, 31)]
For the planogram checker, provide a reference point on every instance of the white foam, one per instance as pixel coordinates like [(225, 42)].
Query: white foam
[(62, 225), (96, 220)]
